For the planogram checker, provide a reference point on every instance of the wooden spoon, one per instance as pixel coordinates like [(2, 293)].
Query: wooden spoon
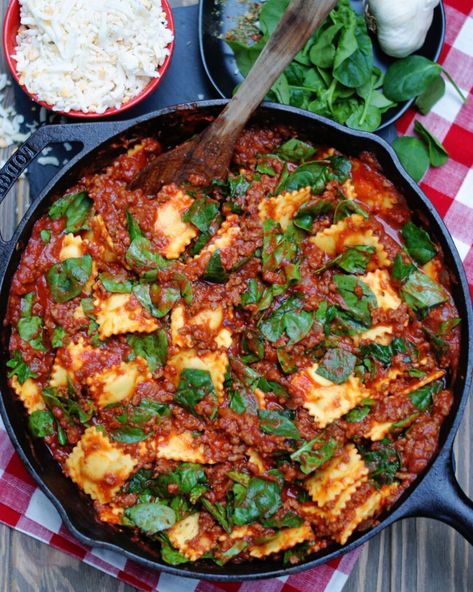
[(207, 156)]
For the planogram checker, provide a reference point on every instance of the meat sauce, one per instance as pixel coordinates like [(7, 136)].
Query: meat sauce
[(268, 391)]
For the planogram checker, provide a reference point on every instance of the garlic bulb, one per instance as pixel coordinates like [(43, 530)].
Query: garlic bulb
[(401, 25)]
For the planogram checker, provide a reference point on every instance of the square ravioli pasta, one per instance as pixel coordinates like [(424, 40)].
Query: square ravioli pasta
[(242, 370)]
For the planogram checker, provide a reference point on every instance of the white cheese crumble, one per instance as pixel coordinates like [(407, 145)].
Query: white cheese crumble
[(78, 55), (10, 120)]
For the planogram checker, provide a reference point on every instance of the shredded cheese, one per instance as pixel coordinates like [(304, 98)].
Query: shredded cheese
[(90, 57)]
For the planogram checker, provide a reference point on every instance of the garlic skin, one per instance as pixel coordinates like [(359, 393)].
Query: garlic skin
[(401, 25)]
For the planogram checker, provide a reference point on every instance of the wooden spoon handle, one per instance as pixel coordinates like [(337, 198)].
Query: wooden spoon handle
[(296, 26)]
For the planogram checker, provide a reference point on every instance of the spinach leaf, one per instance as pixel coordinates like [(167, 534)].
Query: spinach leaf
[(41, 423), (353, 260), (201, 214), (312, 174), (75, 207), (67, 279), (279, 249), (252, 345), (347, 207), (134, 229), (438, 156), (383, 462), (289, 520), (185, 287), (169, 554), (421, 293), (189, 478), (357, 414), (413, 156), (151, 518), (286, 361), (19, 368), (71, 409), (236, 401), (140, 254), (153, 347), (238, 186), (400, 270), (276, 422), (422, 398), (219, 512), (193, 386), (296, 150), (411, 76), (433, 92), (309, 459), (214, 271), (349, 286), (129, 434), (289, 317), (30, 327), (354, 55), (157, 300), (271, 386), (45, 235), (252, 293), (147, 409), (337, 365), (57, 339), (418, 243), (260, 500), (114, 285), (311, 210)]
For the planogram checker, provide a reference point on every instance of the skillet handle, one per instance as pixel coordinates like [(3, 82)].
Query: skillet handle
[(89, 136), (440, 496)]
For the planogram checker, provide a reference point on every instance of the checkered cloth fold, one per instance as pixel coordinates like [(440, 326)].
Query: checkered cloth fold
[(24, 507)]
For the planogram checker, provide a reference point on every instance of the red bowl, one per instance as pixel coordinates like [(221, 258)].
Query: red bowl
[(11, 25)]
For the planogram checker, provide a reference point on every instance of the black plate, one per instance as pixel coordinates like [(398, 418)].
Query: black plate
[(217, 17)]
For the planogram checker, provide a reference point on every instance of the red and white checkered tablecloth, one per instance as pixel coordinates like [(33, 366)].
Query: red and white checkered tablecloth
[(24, 507)]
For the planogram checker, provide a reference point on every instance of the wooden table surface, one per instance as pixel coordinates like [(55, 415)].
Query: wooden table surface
[(416, 554)]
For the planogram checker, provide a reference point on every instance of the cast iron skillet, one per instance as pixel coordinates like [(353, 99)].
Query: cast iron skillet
[(435, 494)]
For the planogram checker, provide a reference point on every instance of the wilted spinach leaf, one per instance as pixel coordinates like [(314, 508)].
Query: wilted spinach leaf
[(41, 423), (276, 422), (67, 279), (153, 347), (418, 243), (151, 518), (309, 459), (193, 386), (337, 365), (260, 500)]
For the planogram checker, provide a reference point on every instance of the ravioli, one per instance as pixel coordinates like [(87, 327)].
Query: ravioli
[(30, 394), (284, 539), (342, 474), (181, 447), (169, 226), (214, 362), (323, 399), (350, 232), (283, 207), (118, 383), (122, 313), (98, 466), (380, 284), (211, 319), (186, 530)]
